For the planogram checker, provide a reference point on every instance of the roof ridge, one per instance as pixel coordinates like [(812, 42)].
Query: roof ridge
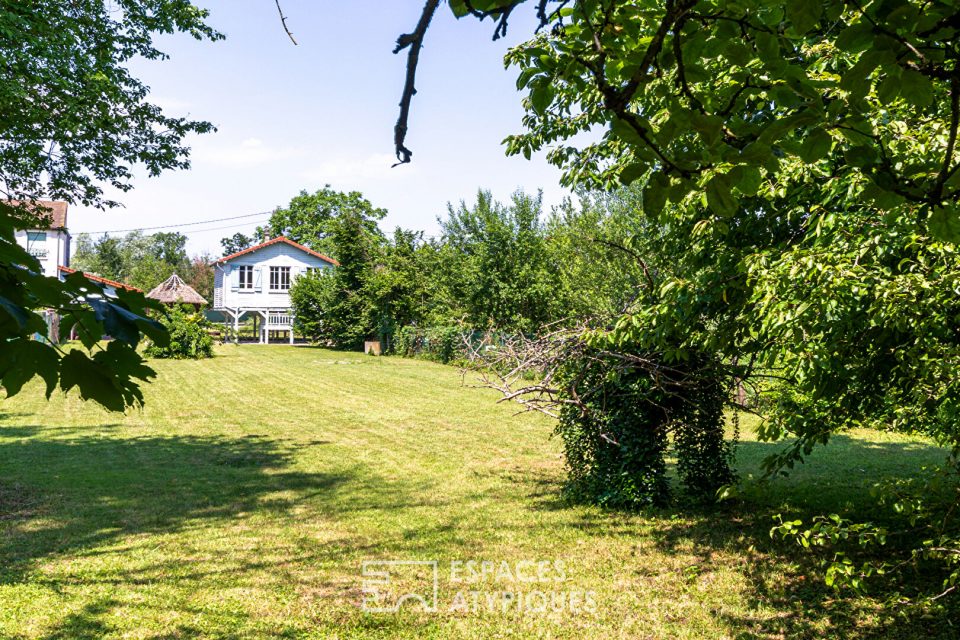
[(280, 238)]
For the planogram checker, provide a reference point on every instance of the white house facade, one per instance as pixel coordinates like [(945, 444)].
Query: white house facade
[(256, 283), (50, 243)]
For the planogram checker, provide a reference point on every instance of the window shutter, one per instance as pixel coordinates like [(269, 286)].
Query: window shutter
[(234, 279), (257, 279)]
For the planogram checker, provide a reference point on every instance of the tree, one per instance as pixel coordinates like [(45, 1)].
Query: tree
[(74, 119), (502, 276), (200, 275), (340, 307), (309, 217), (142, 261), (800, 163), (235, 243)]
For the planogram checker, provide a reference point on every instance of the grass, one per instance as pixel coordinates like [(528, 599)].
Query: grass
[(242, 501)]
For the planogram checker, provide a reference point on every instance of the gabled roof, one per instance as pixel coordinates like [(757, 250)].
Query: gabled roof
[(174, 290), (284, 240), (54, 212), (90, 276)]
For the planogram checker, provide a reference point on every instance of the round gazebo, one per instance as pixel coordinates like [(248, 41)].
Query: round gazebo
[(175, 291)]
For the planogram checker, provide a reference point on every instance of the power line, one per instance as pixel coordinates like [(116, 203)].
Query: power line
[(184, 224)]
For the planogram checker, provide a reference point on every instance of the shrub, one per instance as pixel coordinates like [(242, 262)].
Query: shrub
[(189, 336), (440, 344), (614, 445), (616, 422)]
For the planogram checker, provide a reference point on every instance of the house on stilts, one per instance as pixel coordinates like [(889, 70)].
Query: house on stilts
[(256, 283)]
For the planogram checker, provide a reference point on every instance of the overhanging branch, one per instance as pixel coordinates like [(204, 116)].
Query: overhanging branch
[(412, 41)]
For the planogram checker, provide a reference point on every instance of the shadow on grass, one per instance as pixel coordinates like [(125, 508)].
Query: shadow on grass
[(782, 576), (65, 496)]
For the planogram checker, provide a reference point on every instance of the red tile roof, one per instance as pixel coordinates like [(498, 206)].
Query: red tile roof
[(282, 239), (109, 283), (54, 211)]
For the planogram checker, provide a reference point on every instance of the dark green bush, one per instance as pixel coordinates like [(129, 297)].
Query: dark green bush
[(189, 336), (615, 433)]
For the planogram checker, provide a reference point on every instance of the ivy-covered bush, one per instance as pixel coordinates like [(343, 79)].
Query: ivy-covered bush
[(615, 426), (614, 445), (189, 336)]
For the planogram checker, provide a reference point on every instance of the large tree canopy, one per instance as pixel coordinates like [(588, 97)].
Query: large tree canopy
[(798, 163), (72, 120)]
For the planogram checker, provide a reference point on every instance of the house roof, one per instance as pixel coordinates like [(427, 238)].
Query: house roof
[(54, 211), (276, 240), (174, 290), (90, 276)]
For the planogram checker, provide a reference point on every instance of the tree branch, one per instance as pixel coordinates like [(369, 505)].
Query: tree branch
[(283, 21), (413, 41)]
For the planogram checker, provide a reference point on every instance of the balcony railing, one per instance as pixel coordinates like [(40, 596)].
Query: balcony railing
[(279, 320)]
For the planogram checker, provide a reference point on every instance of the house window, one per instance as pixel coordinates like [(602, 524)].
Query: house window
[(37, 244), (279, 278), (246, 277)]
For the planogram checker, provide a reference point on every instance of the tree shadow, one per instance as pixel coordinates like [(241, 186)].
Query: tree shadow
[(780, 575), (71, 495)]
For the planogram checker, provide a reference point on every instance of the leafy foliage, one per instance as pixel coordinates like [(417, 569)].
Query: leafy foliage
[(144, 261), (107, 374), (497, 265), (236, 243), (310, 218), (442, 344), (73, 119), (798, 164), (189, 336), (339, 307), (614, 444)]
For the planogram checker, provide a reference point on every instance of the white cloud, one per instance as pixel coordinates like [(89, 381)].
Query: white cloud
[(373, 167), (251, 152)]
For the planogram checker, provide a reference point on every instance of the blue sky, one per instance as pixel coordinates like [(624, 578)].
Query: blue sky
[(298, 117)]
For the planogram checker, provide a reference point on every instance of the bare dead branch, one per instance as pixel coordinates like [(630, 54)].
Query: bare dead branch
[(283, 21), (412, 41)]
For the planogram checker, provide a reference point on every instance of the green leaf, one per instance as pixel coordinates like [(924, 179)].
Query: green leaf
[(541, 97), (888, 89), (632, 171), (747, 179), (816, 146), (655, 194), (944, 224), (24, 358), (803, 15), (719, 198), (855, 38), (78, 370), (916, 88)]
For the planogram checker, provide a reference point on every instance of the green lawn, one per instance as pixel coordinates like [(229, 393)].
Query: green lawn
[(241, 502)]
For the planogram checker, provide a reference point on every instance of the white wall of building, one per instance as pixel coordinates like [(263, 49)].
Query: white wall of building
[(228, 294), (51, 247)]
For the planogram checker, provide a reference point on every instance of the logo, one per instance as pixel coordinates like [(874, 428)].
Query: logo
[(473, 586), (389, 584)]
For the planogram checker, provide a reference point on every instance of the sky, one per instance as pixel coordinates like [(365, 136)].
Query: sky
[(322, 112)]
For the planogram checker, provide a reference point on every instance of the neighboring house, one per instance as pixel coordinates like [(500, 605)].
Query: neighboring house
[(49, 243), (256, 282), (109, 286)]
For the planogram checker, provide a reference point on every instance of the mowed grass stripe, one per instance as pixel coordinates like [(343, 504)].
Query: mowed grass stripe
[(242, 500)]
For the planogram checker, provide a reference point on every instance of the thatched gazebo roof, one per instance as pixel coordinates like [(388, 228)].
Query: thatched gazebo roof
[(175, 291)]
